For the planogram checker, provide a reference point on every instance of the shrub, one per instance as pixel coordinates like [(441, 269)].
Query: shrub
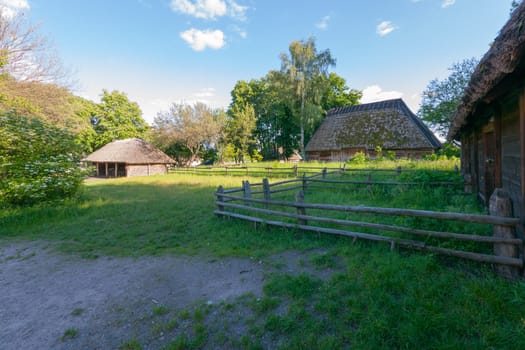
[(39, 162), (358, 158)]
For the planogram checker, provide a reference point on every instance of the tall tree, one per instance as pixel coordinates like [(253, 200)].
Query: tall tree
[(338, 94), (241, 121), (441, 97), (195, 127), (117, 118), (27, 55), (307, 71)]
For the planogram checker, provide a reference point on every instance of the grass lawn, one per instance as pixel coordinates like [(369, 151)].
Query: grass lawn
[(378, 300)]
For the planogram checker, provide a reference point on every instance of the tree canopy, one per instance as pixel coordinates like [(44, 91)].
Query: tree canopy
[(117, 118), (441, 97), (288, 104), (187, 130), (307, 73)]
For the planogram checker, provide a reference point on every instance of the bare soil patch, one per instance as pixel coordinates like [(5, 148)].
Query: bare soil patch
[(50, 300)]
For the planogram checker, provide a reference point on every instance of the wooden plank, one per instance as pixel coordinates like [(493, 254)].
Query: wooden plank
[(522, 165), (498, 153), (478, 218), (434, 183), (425, 233), (407, 243)]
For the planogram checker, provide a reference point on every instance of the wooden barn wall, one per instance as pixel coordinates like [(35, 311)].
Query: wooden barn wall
[(510, 152), (145, 169), (480, 171)]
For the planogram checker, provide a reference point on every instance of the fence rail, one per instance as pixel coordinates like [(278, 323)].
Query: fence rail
[(293, 171), (266, 211)]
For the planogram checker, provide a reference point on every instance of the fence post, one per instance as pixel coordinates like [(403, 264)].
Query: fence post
[(247, 191), (295, 170), (500, 204), (468, 183), (304, 182), (220, 198), (299, 200), (266, 190), (324, 173), (398, 170)]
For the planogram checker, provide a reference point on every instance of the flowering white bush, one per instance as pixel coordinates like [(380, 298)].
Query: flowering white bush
[(38, 161)]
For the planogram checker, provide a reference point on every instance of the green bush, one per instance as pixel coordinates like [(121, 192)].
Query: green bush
[(358, 158), (38, 161)]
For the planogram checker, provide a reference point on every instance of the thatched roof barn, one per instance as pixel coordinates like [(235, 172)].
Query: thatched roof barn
[(490, 120), (129, 157), (388, 124)]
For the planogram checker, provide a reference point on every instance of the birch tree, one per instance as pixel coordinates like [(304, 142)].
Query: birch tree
[(307, 71)]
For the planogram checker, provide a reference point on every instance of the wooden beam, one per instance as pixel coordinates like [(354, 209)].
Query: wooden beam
[(522, 155), (498, 152)]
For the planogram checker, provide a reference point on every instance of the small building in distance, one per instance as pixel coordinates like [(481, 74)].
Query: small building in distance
[(490, 119), (388, 124), (129, 157)]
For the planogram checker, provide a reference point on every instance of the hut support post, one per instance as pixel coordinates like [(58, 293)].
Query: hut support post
[(501, 205)]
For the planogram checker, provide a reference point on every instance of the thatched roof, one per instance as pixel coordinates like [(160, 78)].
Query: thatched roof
[(502, 65), (130, 151), (389, 124)]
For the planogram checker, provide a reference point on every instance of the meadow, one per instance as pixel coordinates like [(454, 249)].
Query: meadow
[(375, 298)]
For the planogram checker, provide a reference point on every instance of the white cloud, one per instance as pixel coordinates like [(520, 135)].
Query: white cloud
[(385, 28), (374, 93), (210, 9), (200, 39), (241, 31), (10, 8), (323, 23), (237, 11), (206, 92), (447, 3)]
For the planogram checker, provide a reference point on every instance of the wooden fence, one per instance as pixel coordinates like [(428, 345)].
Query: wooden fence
[(293, 171), (254, 203)]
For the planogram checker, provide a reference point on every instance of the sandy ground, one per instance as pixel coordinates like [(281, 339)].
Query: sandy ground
[(43, 293)]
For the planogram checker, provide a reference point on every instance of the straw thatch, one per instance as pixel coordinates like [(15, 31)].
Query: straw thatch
[(388, 124), (500, 68), (129, 151)]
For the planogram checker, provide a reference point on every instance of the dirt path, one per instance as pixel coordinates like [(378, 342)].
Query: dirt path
[(44, 293)]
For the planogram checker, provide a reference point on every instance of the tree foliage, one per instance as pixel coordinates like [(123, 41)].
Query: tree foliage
[(241, 121), (39, 162), (117, 118), (307, 72), (28, 56), (188, 128), (441, 97)]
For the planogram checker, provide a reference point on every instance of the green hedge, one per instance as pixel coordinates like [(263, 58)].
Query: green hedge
[(38, 161)]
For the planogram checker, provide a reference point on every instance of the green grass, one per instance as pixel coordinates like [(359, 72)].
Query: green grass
[(70, 333), (146, 216), (375, 299)]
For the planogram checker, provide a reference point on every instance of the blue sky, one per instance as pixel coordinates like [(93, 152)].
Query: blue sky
[(164, 51)]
